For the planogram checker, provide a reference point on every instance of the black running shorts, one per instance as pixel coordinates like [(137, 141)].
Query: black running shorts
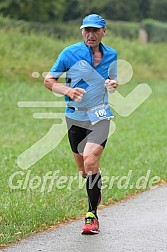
[(82, 132)]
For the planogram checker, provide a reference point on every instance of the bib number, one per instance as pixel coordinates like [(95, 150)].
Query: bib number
[(99, 113)]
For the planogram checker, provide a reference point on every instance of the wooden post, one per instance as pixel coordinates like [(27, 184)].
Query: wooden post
[(143, 36)]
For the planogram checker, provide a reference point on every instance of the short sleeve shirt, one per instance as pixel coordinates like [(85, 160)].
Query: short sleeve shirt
[(77, 62)]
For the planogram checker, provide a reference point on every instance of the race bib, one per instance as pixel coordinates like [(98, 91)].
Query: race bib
[(98, 113)]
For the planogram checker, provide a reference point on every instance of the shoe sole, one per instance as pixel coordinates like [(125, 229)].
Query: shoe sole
[(91, 232)]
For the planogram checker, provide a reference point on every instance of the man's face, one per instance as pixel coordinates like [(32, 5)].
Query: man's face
[(93, 36)]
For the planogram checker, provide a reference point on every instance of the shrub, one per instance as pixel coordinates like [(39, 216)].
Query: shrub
[(58, 30), (156, 30), (123, 29)]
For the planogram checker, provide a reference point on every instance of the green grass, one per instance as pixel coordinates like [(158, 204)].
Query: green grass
[(138, 143)]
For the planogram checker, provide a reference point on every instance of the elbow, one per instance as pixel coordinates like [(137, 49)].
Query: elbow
[(46, 83)]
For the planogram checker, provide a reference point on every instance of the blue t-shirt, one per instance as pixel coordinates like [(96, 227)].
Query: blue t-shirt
[(78, 62)]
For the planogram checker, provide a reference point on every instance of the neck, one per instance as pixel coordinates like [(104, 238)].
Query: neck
[(95, 49)]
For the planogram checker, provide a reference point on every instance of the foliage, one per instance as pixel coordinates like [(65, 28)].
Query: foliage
[(124, 29), (38, 10), (157, 31), (59, 30), (62, 10), (158, 9)]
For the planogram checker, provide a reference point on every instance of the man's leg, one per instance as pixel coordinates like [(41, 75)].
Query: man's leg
[(80, 163), (87, 143), (91, 148), (77, 134), (91, 156), (88, 166)]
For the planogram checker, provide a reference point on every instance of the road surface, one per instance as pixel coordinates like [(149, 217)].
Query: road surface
[(137, 224)]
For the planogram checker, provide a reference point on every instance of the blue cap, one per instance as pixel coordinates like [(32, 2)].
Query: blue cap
[(93, 20)]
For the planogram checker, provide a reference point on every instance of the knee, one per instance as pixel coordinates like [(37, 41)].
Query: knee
[(90, 164)]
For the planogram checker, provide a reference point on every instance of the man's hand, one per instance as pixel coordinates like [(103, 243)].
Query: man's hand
[(111, 85), (76, 94)]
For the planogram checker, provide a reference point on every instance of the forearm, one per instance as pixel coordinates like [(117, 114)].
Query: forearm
[(55, 86)]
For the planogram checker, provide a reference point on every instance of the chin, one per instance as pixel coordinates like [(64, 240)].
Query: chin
[(92, 44)]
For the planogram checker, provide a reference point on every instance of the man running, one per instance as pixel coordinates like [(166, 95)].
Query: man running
[(88, 115)]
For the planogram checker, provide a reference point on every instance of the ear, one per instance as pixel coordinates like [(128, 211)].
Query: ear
[(104, 31), (82, 32)]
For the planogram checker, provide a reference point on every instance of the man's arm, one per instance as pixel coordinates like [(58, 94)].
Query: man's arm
[(55, 86)]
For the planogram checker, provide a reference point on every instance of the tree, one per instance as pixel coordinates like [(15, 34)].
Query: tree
[(158, 9), (63, 10), (33, 10)]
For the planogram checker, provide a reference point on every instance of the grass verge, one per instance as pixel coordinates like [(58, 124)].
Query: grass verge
[(138, 145)]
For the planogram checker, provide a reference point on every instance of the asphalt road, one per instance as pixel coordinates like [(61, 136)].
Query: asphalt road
[(137, 224)]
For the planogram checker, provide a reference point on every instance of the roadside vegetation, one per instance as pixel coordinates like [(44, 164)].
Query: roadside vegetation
[(138, 144)]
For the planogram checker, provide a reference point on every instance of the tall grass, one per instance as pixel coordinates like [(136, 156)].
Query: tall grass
[(139, 143)]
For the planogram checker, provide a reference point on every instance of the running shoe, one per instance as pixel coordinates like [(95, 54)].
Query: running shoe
[(91, 225)]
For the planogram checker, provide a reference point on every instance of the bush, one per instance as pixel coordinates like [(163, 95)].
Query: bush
[(63, 31), (156, 30), (128, 30), (68, 29)]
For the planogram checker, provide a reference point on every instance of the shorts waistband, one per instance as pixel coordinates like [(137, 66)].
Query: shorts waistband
[(85, 109)]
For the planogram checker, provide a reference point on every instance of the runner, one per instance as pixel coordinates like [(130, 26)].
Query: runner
[(88, 114)]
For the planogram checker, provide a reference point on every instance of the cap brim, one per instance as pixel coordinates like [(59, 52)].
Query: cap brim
[(91, 25)]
